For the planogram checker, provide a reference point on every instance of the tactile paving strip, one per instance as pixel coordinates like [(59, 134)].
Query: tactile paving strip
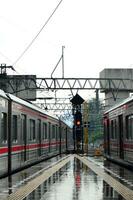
[(120, 188), (24, 191)]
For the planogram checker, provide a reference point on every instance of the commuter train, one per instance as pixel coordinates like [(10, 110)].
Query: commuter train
[(118, 133), (28, 135)]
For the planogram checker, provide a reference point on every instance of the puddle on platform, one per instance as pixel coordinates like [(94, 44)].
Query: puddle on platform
[(74, 181)]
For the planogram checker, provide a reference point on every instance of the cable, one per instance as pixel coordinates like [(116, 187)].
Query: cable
[(3, 55), (26, 49)]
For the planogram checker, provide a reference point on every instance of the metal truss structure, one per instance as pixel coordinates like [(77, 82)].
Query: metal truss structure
[(55, 84), (84, 83), (55, 106), (61, 106), (69, 83)]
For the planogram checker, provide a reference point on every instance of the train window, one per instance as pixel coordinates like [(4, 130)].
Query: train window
[(32, 135), (65, 130), (23, 126), (49, 127), (113, 129), (45, 132), (62, 132), (15, 128), (4, 127), (39, 129), (129, 127), (53, 131), (57, 132)]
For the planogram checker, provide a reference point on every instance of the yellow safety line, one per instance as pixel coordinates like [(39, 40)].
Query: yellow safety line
[(25, 190), (120, 188)]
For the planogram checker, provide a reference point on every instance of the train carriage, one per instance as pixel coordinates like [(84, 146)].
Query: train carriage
[(118, 132), (27, 134), (3, 132)]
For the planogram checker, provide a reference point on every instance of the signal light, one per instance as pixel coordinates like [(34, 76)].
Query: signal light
[(78, 123), (78, 119)]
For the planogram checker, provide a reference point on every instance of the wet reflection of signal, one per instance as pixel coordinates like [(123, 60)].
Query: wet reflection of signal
[(77, 178), (75, 181)]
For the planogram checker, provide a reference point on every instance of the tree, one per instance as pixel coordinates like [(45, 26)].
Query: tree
[(95, 120)]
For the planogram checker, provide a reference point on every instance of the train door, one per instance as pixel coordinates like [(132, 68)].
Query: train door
[(120, 123), (24, 135)]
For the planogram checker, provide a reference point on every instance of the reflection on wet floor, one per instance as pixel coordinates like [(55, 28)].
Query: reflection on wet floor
[(74, 181), (125, 176), (10, 184), (109, 193)]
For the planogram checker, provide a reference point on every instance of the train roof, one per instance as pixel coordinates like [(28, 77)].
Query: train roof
[(119, 104), (29, 105), (3, 94)]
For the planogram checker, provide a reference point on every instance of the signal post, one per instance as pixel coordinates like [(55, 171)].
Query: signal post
[(77, 127)]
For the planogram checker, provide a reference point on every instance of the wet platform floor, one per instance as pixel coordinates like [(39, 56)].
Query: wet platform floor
[(10, 184), (74, 181)]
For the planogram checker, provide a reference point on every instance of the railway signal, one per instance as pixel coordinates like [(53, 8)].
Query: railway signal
[(78, 119), (78, 126)]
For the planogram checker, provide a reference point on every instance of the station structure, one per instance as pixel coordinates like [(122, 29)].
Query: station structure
[(109, 182)]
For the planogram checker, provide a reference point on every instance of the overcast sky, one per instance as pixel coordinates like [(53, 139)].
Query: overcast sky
[(97, 34)]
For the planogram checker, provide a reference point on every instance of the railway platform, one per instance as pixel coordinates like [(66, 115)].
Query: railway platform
[(70, 177)]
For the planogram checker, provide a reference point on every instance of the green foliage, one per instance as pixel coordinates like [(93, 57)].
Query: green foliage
[(96, 136), (96, 120)]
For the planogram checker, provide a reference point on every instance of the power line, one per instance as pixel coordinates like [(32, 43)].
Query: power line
[(7, 58), (3, 55), (29, 45)]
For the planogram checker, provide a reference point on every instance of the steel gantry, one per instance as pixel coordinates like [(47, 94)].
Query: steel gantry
[(55, 106), (104, 84), (113, 84), (84, 83), (17, 84)]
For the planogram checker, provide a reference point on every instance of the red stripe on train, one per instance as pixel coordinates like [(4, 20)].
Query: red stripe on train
[(3, 150), (30, 146)]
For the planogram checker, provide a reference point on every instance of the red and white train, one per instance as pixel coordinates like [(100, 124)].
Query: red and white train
[(118, 133), (28, 135)]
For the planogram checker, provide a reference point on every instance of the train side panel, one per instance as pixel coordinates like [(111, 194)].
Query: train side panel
[(28, 135), (118, 133), (3, 134), (35, 136)]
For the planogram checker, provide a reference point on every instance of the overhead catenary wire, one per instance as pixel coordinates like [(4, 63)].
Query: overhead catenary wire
[(36, 36), (10, 61), (3, 55)]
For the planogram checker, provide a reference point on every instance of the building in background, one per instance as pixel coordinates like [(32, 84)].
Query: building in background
[(93, 122)]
